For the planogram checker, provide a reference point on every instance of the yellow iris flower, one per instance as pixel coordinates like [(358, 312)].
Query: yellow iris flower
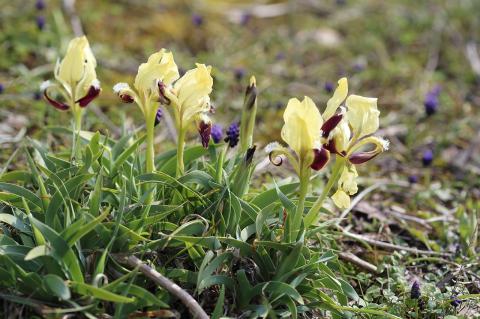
[(159, 68), (351, 136), (76, 72)]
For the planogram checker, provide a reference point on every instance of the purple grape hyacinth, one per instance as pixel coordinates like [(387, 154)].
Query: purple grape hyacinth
[(197, 20), (239, 73), (431, 100), (415, 291), (329, 87), (413, 179), (40, 22), (158, 116), (232, 133), (427, 157), (40, 5), (216, 133)]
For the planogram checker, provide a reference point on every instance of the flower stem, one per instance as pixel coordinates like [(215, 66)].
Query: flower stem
[(150, 153), (180, 149), (296, 220), (220, 161), (336, 172), (77, 127)]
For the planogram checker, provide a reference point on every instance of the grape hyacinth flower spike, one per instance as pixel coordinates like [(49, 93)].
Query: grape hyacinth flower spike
[(216, 133), (232, 134), (431, 100)]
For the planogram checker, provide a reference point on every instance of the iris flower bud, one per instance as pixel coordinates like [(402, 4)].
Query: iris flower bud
[(216, 133), (2, 88), (249, 114)]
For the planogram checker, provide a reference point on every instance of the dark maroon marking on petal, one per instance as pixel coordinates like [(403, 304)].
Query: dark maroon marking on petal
[(330, 146), (92, 93), (362, 157), (331, 124), (320, 159), (126, 98), (272, 160), (205, 129), (161, 89), (56, 104)]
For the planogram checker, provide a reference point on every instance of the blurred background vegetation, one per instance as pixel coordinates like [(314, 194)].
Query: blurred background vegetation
[(420, 58)]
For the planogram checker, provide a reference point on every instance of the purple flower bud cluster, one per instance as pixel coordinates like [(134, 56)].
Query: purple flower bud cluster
[(216, 133), (280, 56), (427, 157), (197, 20), (413, 179), (2, 88), (431, 100), (415, 291), (239, 73), (233, 133), (40, 5), (40, 20), (158, 116), (245, 18), (329, 87), (37, 95), (455, 302)]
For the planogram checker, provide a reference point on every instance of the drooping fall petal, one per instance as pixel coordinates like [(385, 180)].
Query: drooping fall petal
[(359, 156), (92, 93), (320, 158), (204, 129)]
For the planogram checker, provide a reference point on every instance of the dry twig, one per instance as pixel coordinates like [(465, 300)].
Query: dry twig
[(195, 309)]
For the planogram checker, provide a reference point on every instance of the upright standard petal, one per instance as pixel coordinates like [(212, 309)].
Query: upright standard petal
[(78, 62), (192, 91), (301, 130), (160, 66), (336, 100), (363, 115)]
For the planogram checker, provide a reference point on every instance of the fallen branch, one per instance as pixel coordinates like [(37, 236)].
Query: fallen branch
[(195, 309), (389, 246), (359, 262)]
